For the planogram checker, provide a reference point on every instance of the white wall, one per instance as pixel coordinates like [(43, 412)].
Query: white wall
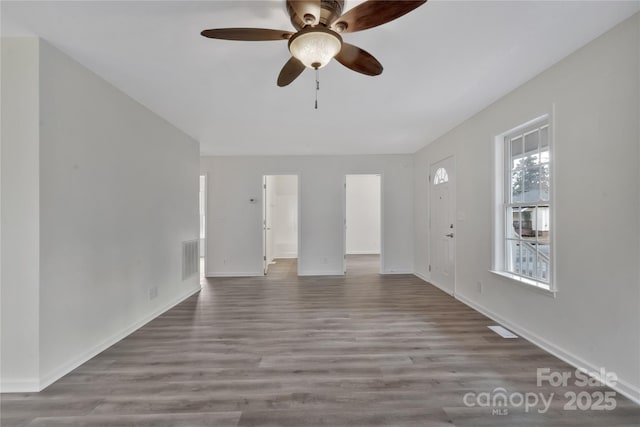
[(285, 216), (235, 229), (595, 319), (363, 214), (19, 213), (118, 193)]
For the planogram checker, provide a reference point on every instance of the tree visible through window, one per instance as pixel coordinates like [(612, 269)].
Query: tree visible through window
[(527, 244)]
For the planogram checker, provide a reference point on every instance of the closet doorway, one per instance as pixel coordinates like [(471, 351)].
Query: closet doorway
[(363, 223)]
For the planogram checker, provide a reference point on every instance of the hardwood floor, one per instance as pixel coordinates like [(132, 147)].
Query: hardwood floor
[(360, 350)]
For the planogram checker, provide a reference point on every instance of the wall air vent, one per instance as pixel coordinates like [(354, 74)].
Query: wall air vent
[(189, 258), (502, 331)]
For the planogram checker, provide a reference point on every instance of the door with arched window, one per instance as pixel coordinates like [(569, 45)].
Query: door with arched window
[(442, 225)]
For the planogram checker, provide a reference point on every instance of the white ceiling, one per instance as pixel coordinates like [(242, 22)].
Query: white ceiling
[(443, 62)]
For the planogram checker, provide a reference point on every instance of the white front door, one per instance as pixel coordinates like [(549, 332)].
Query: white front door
[(442, 224)]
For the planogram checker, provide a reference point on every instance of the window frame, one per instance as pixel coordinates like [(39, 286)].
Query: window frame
[(503, 203)]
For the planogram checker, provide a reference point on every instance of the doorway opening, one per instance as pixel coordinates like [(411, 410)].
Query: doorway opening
[(363, 224), (280, 225), (202, 243), (442, 233)]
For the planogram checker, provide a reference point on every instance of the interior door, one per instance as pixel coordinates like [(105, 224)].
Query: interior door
[(442, 224), (344, 230), (266, 222)]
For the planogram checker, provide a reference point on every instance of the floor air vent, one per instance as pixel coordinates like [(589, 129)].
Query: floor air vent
[(189, 258), (503, 332)]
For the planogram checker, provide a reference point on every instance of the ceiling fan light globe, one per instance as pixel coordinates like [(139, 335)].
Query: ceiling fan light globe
[(315, 47)]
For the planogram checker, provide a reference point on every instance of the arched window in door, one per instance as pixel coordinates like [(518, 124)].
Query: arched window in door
[(441, 176)]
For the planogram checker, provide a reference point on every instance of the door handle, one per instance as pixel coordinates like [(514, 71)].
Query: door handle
[(449, 235)]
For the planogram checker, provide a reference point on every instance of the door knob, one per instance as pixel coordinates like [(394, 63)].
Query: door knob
[(449, 235)]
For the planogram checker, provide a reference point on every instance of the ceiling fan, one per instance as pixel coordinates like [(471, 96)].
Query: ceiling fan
[(319, 25)]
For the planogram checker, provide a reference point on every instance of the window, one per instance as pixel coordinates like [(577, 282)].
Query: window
[(441, 176), (523, 217)]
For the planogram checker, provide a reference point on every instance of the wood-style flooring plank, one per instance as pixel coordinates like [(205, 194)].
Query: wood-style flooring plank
[(282, 350)]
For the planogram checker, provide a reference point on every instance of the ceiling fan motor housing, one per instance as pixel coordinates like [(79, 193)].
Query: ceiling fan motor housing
[(330, 10)]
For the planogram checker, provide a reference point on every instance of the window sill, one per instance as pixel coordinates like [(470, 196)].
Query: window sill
[(542, 288)]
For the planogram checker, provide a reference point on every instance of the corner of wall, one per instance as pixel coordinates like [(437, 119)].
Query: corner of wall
[(19, 224), (58, 372)]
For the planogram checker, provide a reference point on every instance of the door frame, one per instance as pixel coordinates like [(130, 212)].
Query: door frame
[(263, 224), (344, 219), (453, 198), (265, 261), (205, 204)]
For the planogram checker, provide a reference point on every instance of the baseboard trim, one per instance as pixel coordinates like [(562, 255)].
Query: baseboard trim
[(429, 282), (421, 276), (236, 274), (623, 387), (65, 368), (286, 255), (397, 272), (321, 273), (363, 253)]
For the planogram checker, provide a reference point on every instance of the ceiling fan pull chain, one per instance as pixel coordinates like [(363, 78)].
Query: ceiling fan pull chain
[(317, 85)]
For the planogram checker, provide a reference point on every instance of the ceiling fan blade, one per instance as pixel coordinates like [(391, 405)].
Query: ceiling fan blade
[(291, 70), (246, 34), (358, 60), (373, 13), (306, 7)]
